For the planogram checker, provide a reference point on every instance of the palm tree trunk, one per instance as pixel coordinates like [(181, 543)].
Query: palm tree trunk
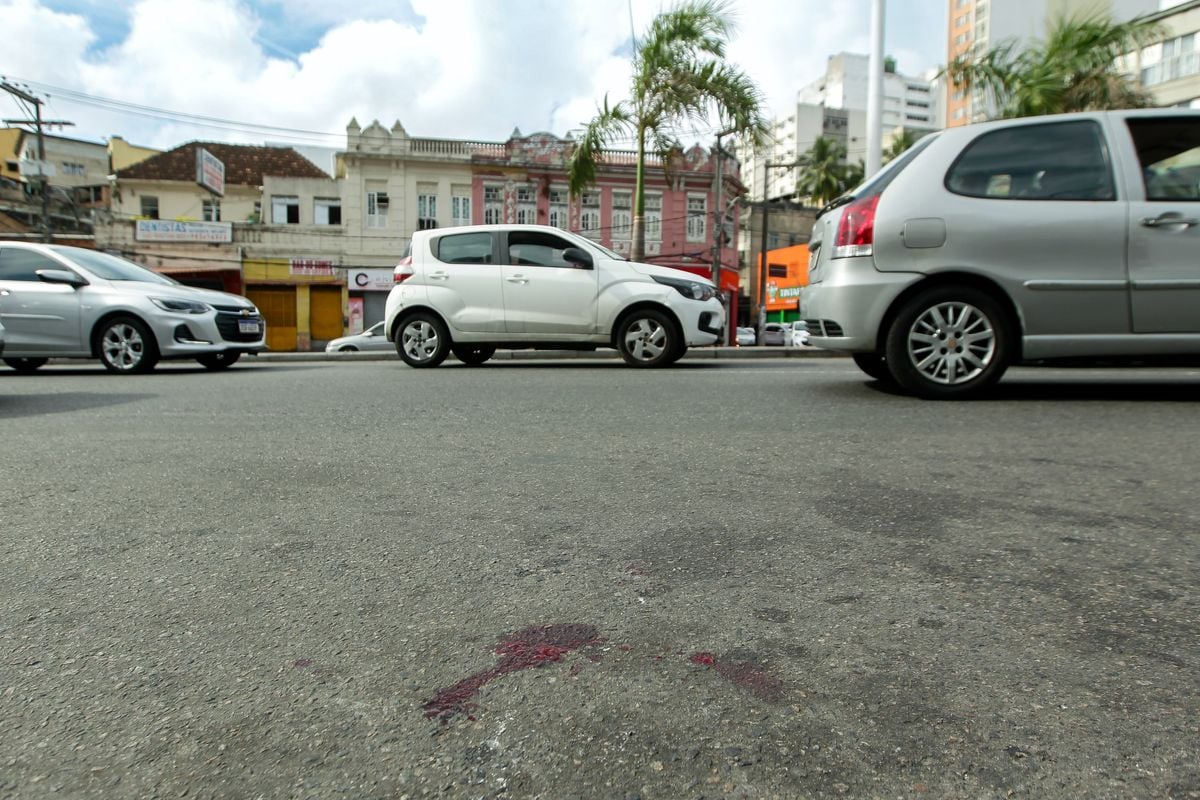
[(637, 249)]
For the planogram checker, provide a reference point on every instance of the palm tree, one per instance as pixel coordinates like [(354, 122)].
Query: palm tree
[(903, 140), (679, 76), (1076, 68), (822, 171)]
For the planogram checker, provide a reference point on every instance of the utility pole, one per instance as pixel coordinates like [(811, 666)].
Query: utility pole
[(719, 226), (38, 123)]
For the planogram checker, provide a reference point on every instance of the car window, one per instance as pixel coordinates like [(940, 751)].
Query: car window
[(22, 265), (537, 249), (1169, 151), (1053, 161), (111, 268), (464, 248)]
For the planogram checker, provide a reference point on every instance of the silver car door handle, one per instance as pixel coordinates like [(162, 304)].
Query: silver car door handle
[(1167, 220), (438, 276), (517, 279)]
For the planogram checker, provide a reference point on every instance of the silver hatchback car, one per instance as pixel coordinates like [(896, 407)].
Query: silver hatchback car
[(69, 301), (1016, 241)]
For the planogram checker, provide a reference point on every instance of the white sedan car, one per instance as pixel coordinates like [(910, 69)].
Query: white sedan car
[(373, 338), (745, 337)]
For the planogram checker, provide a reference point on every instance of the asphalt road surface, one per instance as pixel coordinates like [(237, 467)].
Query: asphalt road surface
[(741, 579)]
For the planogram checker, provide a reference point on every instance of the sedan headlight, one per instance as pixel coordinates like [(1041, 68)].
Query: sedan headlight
[(181, 306), (692, 290)]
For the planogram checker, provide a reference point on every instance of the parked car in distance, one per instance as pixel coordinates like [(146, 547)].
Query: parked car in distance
[(1, 340), (745, 337), (79, 303), (1016, 241), (774, 334), (799, 333), (372, 339), (473, 290)]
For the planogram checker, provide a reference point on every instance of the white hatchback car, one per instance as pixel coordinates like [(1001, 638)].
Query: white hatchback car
[(473, 290)]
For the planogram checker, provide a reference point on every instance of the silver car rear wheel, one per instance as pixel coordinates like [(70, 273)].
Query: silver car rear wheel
[(952, 342), (947, 342)]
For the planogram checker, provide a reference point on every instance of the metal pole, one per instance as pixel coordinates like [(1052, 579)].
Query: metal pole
[(762, 270), (719, 232), (875, 91)]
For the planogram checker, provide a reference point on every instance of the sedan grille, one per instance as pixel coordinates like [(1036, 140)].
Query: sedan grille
[(228, 323)]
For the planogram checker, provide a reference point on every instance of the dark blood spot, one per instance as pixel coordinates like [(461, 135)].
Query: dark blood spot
[(743, 674), (637, 570), (300, 663), (576, 668), (624, 648), (525, 649)]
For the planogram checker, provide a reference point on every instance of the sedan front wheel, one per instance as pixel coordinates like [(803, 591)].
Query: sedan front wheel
[(126, 345)]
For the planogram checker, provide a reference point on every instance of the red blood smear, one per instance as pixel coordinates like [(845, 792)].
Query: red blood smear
[(302, 662), (525, 649), (744, 675)]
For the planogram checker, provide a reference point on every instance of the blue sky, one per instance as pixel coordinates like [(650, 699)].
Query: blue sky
[(455, 68)]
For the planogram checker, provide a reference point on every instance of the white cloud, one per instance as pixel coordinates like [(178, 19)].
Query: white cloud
[(453, 68)]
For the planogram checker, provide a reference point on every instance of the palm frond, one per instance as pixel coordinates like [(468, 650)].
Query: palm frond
[(610, 121)]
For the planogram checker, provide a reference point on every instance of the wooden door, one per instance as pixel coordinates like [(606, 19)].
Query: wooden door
[(278, 307)]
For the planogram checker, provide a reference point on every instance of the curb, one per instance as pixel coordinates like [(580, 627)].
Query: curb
[(722, 353)]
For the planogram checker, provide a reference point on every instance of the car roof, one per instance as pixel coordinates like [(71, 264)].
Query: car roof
[(1125, 113), (488, 228)]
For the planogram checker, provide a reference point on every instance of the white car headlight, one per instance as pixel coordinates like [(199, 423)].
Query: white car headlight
[(692, 290), (181, 306)]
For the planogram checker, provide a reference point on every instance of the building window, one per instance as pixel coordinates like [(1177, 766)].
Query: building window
[(212, 210), (73, 168), (285, 210), (559, 209), (426, 208), (589, 215), (460, 210), (327, 211), (493, 205), (526, 206), (652, 205), (697, 217), (377, 209), (149, 206), (622, 215)]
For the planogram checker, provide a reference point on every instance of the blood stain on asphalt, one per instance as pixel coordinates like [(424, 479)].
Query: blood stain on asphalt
[(301, 663), (743, 674), (531, 647)]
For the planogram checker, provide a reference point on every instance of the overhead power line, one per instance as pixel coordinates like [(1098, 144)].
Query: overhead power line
[(153, 112)]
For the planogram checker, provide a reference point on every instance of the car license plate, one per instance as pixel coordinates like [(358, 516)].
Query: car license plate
[(247, 326)]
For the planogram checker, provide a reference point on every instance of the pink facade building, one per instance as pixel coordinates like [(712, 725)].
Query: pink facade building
[(524, 181)]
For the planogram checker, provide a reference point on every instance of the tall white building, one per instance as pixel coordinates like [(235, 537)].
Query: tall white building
[(835, 107)]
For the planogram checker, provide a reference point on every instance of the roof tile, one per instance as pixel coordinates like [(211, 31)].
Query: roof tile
[(244, 164)]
